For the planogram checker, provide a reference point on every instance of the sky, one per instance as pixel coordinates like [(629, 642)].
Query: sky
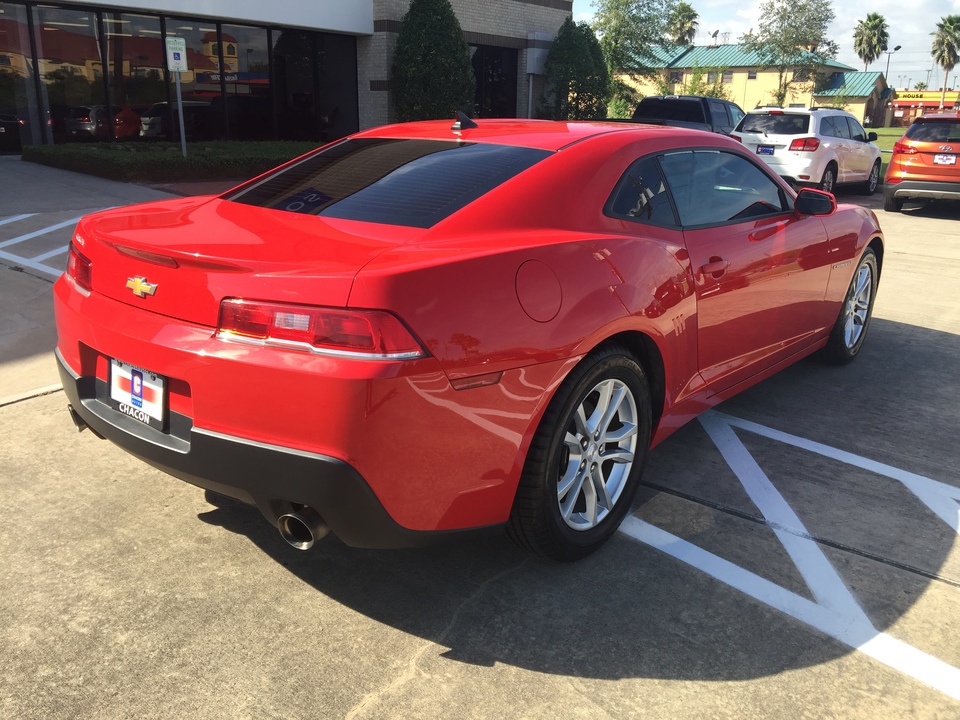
[(911, 23)]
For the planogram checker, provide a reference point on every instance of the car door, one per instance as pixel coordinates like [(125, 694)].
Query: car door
[(761, 272), (861, 151)]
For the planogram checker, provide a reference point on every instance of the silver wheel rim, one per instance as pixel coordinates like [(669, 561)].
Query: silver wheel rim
[(827, 183), (598, 453), (858, 306), (874, 177)]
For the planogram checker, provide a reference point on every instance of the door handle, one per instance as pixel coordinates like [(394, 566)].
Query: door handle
[(716, 267)]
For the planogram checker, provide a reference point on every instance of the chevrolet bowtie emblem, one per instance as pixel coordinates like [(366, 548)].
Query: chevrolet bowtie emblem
[(140, 286)]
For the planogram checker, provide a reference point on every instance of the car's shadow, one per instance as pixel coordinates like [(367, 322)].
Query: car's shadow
[(632, 611)]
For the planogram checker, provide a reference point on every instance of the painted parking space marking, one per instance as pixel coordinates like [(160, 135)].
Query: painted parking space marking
[(835, 611), (15, 218), (23, 257), (41, 231)]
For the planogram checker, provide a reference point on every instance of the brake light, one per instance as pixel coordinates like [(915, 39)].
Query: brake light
[(807, 144), (367, 334), (738, 139), (901, 148), (79, 268)]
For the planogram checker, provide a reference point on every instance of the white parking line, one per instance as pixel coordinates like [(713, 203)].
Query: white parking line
[(836, 611), (28, 263), (41, 231), (16, 218)]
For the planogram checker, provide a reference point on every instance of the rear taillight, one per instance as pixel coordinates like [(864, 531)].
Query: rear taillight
[(739, 140), (368, 334), (78, 268), (807, 144), (901, 148)]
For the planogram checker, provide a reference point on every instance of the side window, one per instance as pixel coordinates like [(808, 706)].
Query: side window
[(856, 130), (718, 112), (843, 130), (736, 114), (714, 188), (641, 196), (827, 128)]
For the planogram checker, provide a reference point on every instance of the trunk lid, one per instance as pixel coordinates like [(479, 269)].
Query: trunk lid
[(181, 258)]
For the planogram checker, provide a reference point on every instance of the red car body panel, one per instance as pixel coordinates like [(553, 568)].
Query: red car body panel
[(506, 295)]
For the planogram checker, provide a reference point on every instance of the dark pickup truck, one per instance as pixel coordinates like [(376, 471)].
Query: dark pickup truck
[(692, 111)]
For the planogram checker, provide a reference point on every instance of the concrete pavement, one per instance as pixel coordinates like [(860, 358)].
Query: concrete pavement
[(759, 577)]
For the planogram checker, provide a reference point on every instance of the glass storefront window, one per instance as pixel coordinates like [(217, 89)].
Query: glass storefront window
[(203, 116), (71, 73), (135, 55), (246, 57), (316, 88), (19, 114)]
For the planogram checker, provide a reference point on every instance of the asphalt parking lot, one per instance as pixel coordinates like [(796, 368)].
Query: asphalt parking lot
[(793, 554)]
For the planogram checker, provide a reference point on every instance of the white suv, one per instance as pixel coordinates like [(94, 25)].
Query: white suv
[(821, 147)]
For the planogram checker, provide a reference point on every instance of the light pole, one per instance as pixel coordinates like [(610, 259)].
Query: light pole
[(889, 53)]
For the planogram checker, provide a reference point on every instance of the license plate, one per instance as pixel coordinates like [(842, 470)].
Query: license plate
[(944, 159), (137, 392), (764, 149)]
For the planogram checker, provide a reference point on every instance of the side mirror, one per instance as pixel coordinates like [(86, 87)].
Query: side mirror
[(814, 202), (871, 137)]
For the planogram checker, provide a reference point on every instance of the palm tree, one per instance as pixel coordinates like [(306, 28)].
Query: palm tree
[(683, 24), (946, 48), (870, 38)]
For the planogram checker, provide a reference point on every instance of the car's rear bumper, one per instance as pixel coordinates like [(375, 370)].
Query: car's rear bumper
[(922, 190), (276, 480)]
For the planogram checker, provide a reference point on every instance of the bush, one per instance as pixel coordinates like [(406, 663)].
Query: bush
[(162, 161), (577, 77), (432, 76)]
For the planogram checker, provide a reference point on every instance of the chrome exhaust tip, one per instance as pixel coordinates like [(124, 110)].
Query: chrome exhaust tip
[(302, 528), (78, 421)]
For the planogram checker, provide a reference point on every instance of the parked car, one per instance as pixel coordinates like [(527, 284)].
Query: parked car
[(819, 147), (924, 164), (692, 111), (156, 122), (423, 329), (10, 128)]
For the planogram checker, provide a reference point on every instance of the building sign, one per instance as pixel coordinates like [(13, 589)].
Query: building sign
[(925, 99)]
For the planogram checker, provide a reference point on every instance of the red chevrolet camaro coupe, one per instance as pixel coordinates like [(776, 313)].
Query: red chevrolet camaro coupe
[(423, 329)]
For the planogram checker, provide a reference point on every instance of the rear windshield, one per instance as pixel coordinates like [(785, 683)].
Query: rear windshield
[(934, 131), (670, 109), (416, 183), (775, 124)]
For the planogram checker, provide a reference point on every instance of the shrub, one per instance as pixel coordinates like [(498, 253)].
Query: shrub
[(577, 77), (432, 76)]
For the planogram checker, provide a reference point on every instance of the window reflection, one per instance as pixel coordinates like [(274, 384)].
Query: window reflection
[(71, 70), (246, 56), (19, 114), (135, 64), (100, 75)]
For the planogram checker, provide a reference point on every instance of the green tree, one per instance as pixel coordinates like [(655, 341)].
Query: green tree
[(870, 38), (432, 76), (946, 48), (576, 74), (920, 86), (701, 83), (683, 24), (792, 39), (631, 34)]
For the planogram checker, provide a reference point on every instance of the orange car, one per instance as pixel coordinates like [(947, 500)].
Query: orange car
[(925, 163)]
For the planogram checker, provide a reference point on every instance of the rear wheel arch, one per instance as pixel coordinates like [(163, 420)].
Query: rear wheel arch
[(646, 351)]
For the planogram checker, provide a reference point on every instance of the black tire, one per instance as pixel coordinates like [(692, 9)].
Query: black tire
[(892, 204), (852, 324), (870, 186), (828, 182), (560, 526)]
